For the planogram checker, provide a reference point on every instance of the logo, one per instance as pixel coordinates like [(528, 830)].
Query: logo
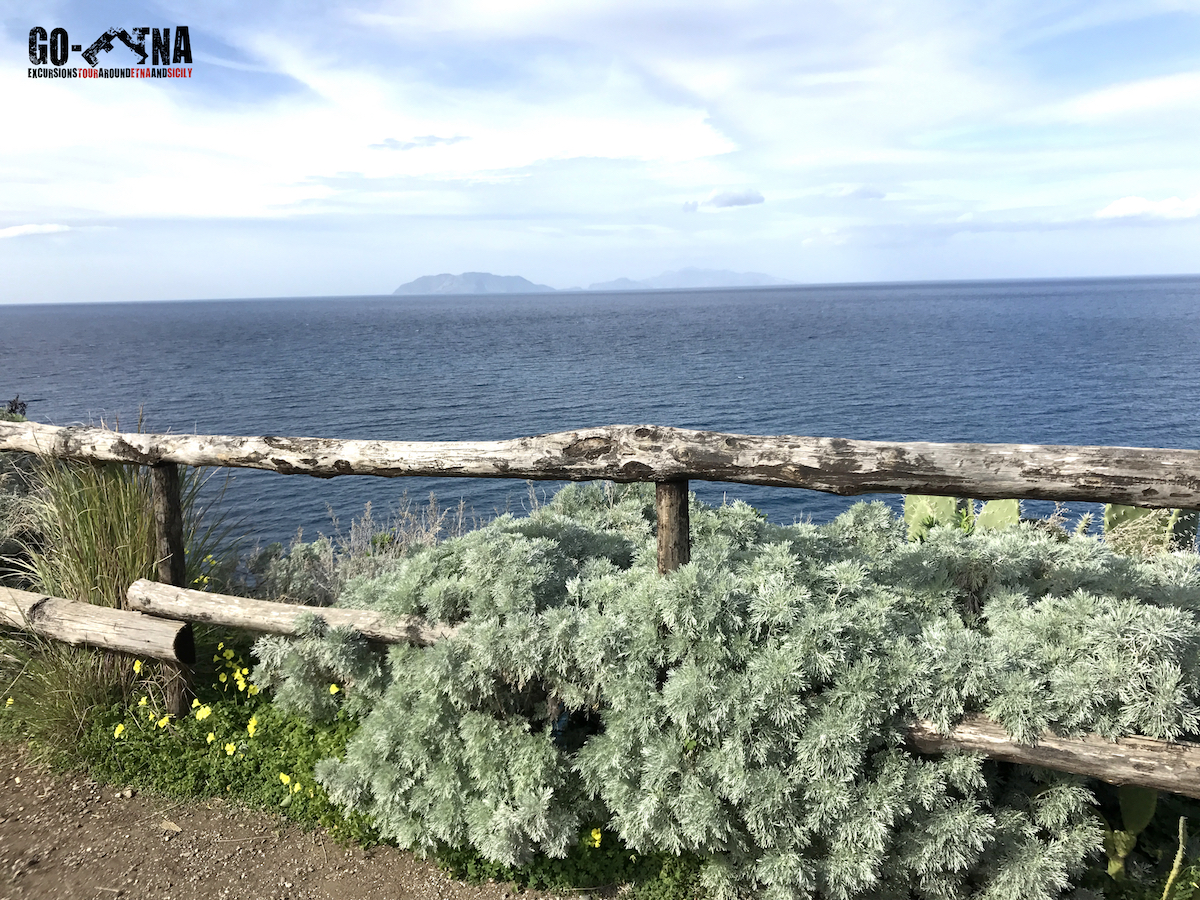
[(169, 47)]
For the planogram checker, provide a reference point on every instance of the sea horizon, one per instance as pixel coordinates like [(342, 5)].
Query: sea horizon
[(1084, 361), (652, 291)]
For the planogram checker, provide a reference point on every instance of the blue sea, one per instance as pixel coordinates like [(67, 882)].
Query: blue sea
[(1104, 361)]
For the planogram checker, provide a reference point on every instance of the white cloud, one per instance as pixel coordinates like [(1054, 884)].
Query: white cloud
[(425, 140), (19, 230), (595, 121), (1171, 208), (747, 197), (863, 192), (1150, 95)]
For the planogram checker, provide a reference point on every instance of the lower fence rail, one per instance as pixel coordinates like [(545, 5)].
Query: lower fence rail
[(78, 623)]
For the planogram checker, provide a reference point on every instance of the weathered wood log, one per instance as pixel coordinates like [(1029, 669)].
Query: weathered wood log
[(74, 622), (1146, 762), (674, 526), (168, 523), (1130, 475), (277, 618), (178, 689)]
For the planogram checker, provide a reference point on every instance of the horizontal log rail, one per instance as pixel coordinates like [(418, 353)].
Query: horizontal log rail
[(75, 622), (1135, 476), (1172, 766), (271, 617)]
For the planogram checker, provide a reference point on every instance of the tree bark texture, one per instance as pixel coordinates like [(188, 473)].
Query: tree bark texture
[(276, 618), (1147, 762), (168, 523), (178, 689), (674, 527), (121, 630), (1134, 476)]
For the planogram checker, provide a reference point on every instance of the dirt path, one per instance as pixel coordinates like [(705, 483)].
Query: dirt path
[(66, 836)]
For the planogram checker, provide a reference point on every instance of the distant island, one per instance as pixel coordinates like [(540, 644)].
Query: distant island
[(487, 283), (691, 278), (472, 283)]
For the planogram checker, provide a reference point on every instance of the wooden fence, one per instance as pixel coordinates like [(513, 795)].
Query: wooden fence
[(669, 457)]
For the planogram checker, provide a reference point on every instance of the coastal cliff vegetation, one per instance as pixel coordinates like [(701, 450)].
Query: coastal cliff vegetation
[(735, 728)]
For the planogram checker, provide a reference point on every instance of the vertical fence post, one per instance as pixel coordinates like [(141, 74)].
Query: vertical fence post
[(168, 522), (674, 526)]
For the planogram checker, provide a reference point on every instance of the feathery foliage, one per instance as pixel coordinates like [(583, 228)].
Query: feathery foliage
[(750, 707)]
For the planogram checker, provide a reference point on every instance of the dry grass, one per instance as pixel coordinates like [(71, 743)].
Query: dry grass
[(317, 572), (62, 685), (84, 532), (1148, 535)]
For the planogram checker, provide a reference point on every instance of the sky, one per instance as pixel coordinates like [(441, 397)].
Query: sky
[(343, 149)]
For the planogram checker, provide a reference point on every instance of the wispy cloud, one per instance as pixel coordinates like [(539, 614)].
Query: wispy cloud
[(1149, 95), (747, 197), (1171, 208), (427, 140), (590, 125), (860, 193), (21, 230)]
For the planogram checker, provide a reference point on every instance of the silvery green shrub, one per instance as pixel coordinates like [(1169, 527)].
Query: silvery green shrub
[(752, 706)]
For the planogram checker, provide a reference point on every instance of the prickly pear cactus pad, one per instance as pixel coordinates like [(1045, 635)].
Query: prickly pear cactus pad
[(751, 706)]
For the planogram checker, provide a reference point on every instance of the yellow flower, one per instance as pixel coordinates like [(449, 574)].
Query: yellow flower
[(220, 645), (142, 702), (231, 749), (119, 730), (252, 725), (216, 659), (245, 671), (162, 723), (221, 678), (8, 702), (333, 689), (296, 788), (137, 667), (251, 690), (595, 841), (229, 654), (211, 737), (203, 713), (286, 779)]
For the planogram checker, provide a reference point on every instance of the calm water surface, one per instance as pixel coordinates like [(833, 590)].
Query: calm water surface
[(1111, 361)]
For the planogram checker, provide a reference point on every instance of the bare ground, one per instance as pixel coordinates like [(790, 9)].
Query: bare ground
[(66, 836)]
